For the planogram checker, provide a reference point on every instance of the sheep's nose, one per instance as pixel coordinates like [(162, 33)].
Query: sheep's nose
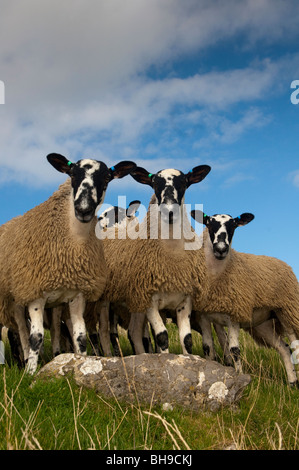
[(170, 212), (220, 250)]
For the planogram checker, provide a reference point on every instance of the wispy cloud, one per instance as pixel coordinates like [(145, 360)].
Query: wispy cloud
[(294, 177), (76, 78)]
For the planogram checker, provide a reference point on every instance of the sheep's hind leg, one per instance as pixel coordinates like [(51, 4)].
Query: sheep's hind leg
[(104, 327), (56, 330), (135, 332), (77, 307), (20, 318), (266, 332), (36, 338), (205, 325)]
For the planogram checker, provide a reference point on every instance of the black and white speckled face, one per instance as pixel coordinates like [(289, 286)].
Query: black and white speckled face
[(170, 186), (221, 229), (113, 216), (90, 179)]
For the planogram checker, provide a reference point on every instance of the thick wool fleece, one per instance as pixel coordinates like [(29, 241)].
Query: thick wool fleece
[(140, 268), (249, 282), (39, 254)]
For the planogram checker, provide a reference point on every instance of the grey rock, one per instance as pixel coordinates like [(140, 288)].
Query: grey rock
[(164, 379)]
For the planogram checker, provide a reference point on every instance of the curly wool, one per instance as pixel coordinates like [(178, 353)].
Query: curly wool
[(140, 268), (39, 254), (249, 282)]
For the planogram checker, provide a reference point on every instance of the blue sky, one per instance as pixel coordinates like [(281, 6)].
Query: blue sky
[(167, 84)]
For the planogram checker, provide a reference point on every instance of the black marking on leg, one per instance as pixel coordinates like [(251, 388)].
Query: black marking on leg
[(94, 341), (162, 340), (235, 352), (131, 343), (206, 350), (81, 341), (145, 342), (35, 341), (188, 343)]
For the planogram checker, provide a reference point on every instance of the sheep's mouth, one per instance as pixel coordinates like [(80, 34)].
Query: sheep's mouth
[(220, 256), (84, 217)]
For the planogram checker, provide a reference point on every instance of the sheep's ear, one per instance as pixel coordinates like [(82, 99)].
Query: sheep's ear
[(133, 208), (121, 169), (197, 174), (244, 219), (142, 176), (200, 217), (60, 163)]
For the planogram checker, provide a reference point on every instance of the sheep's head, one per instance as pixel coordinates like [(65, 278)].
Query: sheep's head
[(116, 216), (170, 186), (221, 229), (89, 179)]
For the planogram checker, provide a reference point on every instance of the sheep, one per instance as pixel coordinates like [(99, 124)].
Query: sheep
[(119, 218), (102, 314), (153, 270), (51, 255), (96, 315), (257, 293)]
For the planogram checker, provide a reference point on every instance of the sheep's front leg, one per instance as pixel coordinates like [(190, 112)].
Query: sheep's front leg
[(77, 307), (36, 338), (183, 314), (234, 346), (160, 332)]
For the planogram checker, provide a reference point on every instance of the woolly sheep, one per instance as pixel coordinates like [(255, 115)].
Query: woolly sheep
[(119, 218), (151, 271), (102, 317), (245, 290), (51, 255)]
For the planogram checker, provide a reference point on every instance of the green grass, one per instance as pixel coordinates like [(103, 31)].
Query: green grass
[(57, 414)]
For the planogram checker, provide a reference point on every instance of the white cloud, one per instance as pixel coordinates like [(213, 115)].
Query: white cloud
[(75, 75)]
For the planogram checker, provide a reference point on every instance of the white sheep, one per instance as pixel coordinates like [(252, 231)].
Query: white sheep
[(51, 255), (153, 270), (257, 293)]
